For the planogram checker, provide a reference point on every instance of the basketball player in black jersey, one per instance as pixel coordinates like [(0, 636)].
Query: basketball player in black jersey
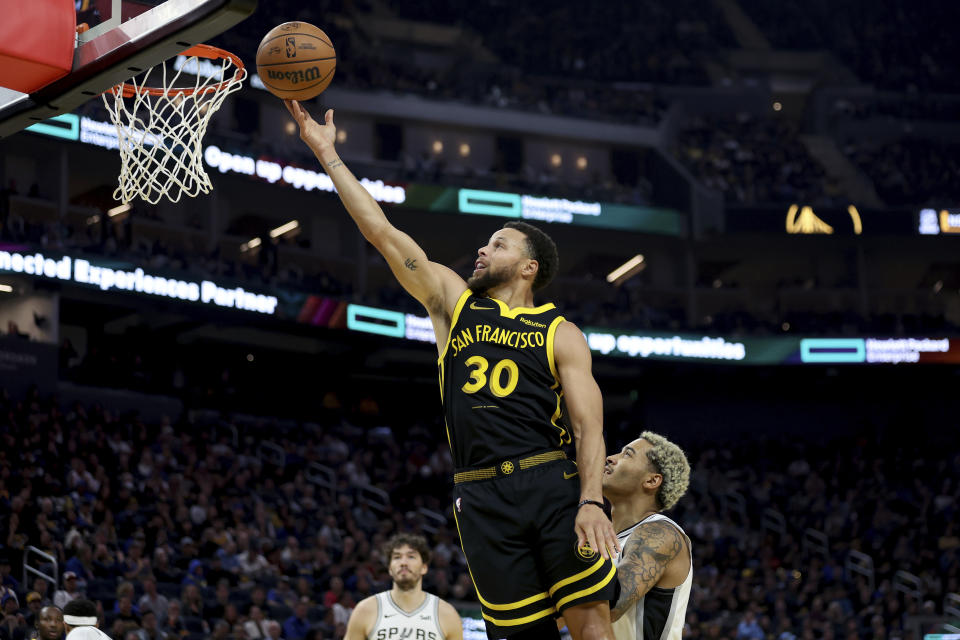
[(531, 522)]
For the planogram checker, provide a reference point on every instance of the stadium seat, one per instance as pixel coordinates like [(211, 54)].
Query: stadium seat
[(280, 612)]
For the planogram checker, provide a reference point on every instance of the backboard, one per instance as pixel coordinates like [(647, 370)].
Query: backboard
[(125, 37)]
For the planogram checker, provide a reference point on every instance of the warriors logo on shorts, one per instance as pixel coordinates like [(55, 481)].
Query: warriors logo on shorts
[(522, 582), (506, 468), (586, 552)]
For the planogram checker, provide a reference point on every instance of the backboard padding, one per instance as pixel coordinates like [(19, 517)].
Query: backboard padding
[(122, 52)]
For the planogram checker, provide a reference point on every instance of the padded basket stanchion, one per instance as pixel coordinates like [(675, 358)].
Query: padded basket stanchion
[(160, 129)]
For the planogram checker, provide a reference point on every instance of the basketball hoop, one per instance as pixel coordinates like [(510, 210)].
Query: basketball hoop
[(160, 129)]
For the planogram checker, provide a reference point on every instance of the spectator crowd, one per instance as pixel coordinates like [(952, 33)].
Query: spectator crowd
[(890, 44), (546, 57), (178, 529), (910, 172), (751, 159), (614, 62)]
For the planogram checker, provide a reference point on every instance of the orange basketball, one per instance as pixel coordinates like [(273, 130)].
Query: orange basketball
[(296, 61)]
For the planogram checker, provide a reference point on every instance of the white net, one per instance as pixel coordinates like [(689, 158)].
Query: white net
[(161, 130)]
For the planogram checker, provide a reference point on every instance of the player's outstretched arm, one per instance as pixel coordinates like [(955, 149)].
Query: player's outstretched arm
[(450, 622), (434, 285), (361, 619), (648, 551), (585, 408)]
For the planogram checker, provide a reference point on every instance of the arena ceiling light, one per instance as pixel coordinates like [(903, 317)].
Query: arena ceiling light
[(293, 225), (253, 243), (5, 288), (627, 270)]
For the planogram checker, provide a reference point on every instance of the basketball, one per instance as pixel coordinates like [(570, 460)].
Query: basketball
[(296, 61)]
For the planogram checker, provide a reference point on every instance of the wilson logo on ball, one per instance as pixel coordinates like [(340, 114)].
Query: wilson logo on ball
[(295, 77), (296, 61)]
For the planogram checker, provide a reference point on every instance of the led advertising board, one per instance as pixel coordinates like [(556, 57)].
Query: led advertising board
[(779, 350), (606, 215), (936, 222), (134, 280)]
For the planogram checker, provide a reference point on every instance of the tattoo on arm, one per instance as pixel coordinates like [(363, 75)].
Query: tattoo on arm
[(333, 164), (646, 555), (410, 263)]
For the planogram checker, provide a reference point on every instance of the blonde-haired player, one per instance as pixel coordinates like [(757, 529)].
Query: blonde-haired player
[(655, 566)]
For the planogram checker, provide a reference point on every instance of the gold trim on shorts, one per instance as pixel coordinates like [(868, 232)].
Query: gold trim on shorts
[(507, 467)]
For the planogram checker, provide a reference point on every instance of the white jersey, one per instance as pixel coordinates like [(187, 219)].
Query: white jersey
[(87, 633), (659, 615), (393, 623)]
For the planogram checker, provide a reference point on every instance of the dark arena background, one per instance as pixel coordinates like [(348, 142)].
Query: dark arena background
[(229, 401)]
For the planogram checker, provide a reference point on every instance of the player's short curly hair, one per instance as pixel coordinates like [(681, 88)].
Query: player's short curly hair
[(670, 462), (81, 608), (415, 542), (541, 248)]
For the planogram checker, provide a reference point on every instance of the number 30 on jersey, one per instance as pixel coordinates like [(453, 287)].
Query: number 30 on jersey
[(478, 376)]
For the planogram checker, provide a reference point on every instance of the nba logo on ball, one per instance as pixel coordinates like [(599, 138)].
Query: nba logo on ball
[(296, 61)]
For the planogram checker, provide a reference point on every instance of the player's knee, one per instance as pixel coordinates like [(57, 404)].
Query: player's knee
[(591, 622), (595, 630)]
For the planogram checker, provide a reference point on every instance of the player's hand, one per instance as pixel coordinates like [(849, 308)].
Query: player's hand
[(594, 528), (318, 136)]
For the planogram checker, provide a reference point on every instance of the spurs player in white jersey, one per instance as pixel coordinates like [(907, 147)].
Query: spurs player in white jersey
[(406, 611), (81, 621), (655, 566)]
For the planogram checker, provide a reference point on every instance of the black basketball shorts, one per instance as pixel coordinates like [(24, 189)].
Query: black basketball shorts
[(517, 532)]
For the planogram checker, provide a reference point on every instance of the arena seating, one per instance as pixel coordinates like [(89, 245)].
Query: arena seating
[(229, 514), (910, 171), (751, 159), (888, 44)]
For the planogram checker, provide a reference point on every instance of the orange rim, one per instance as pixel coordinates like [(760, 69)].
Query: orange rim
[(200, 51)]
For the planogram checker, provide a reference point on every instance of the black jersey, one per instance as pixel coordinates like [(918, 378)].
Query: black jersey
[(498, 381)]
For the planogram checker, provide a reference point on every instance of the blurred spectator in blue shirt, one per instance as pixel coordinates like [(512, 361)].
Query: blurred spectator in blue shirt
[(297, 625), (749, 628)]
